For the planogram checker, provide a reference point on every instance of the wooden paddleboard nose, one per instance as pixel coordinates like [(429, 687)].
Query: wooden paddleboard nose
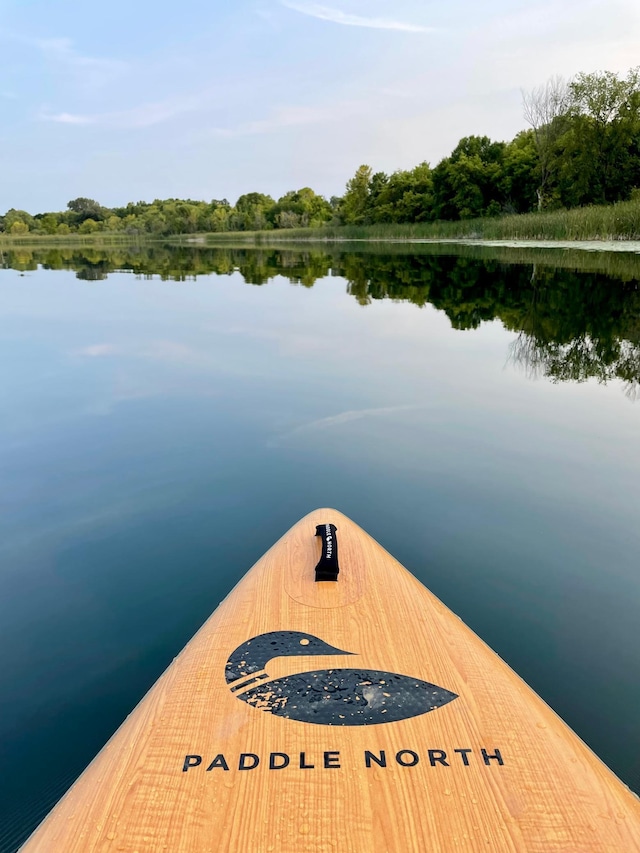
[(353, 714), (303, 553)]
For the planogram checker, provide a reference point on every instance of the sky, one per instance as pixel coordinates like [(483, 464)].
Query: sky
[(128, 101)]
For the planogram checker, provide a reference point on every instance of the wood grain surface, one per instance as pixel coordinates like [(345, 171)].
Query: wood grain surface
[(536, 787)]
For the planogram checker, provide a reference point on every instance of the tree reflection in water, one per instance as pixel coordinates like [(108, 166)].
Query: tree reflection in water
[(576, 315)]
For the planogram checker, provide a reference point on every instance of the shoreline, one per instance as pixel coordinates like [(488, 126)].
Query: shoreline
[(596, 245), (266, 239)]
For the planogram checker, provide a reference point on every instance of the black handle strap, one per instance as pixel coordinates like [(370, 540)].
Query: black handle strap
[(328, 568)]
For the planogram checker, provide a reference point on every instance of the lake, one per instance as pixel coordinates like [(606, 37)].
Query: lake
[(167, 413)]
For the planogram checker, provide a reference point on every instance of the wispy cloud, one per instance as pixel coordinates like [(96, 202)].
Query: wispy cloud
[(337, 16), (66, 118), (145, 115), (62, 50), (62, 53)]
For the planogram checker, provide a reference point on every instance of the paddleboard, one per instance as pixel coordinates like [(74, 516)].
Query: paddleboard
[(332, 703)]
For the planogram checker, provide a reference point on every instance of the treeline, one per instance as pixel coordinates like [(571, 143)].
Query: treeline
[(162, 218), (582, 147)]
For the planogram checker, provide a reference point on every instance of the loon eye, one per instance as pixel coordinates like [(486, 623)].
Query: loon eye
[(304, 642)]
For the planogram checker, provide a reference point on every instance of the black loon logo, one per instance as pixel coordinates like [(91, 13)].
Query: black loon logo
[(330, 697)]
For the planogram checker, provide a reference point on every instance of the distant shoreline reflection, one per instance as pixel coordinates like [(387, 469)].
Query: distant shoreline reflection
[(571, 325)]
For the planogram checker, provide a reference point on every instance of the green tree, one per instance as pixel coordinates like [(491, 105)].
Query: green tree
[(301, 208), (598, 157), (521, 178), (377, 185), (469, 183), (12, 216), (49, 223), (113, 223), (404, 196), (356, 198), (220, 219), (252, 212), (89, 226), (87, 208)]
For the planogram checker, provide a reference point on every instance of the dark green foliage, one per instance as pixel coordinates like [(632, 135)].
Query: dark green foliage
[(251, 212), (469, 183), (300, 209), (86, 208), (597, 158), (355, 205), (519, 180), (402, 197)]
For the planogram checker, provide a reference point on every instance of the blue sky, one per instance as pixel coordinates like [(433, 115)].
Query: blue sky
[(135, 100)]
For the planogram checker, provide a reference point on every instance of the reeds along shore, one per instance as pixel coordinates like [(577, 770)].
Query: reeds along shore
[(103, 239), (620, 221)]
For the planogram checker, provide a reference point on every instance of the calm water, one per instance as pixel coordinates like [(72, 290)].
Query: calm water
[(163, 420)]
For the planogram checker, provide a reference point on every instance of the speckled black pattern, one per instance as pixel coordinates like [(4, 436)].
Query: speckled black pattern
[(347, 697), (330, 697), (253, 655)]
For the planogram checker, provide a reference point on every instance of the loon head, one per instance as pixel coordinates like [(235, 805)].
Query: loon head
[(253, 655)]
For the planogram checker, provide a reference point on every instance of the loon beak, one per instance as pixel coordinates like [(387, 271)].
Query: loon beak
[(335, 651)]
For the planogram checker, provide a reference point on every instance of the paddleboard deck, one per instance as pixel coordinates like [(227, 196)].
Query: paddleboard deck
[(356, 714)]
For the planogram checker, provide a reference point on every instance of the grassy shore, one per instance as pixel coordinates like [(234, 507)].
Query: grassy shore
[(619, 221), (47, 241)]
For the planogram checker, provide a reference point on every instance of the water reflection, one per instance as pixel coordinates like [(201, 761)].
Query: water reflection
[(577, 315)]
